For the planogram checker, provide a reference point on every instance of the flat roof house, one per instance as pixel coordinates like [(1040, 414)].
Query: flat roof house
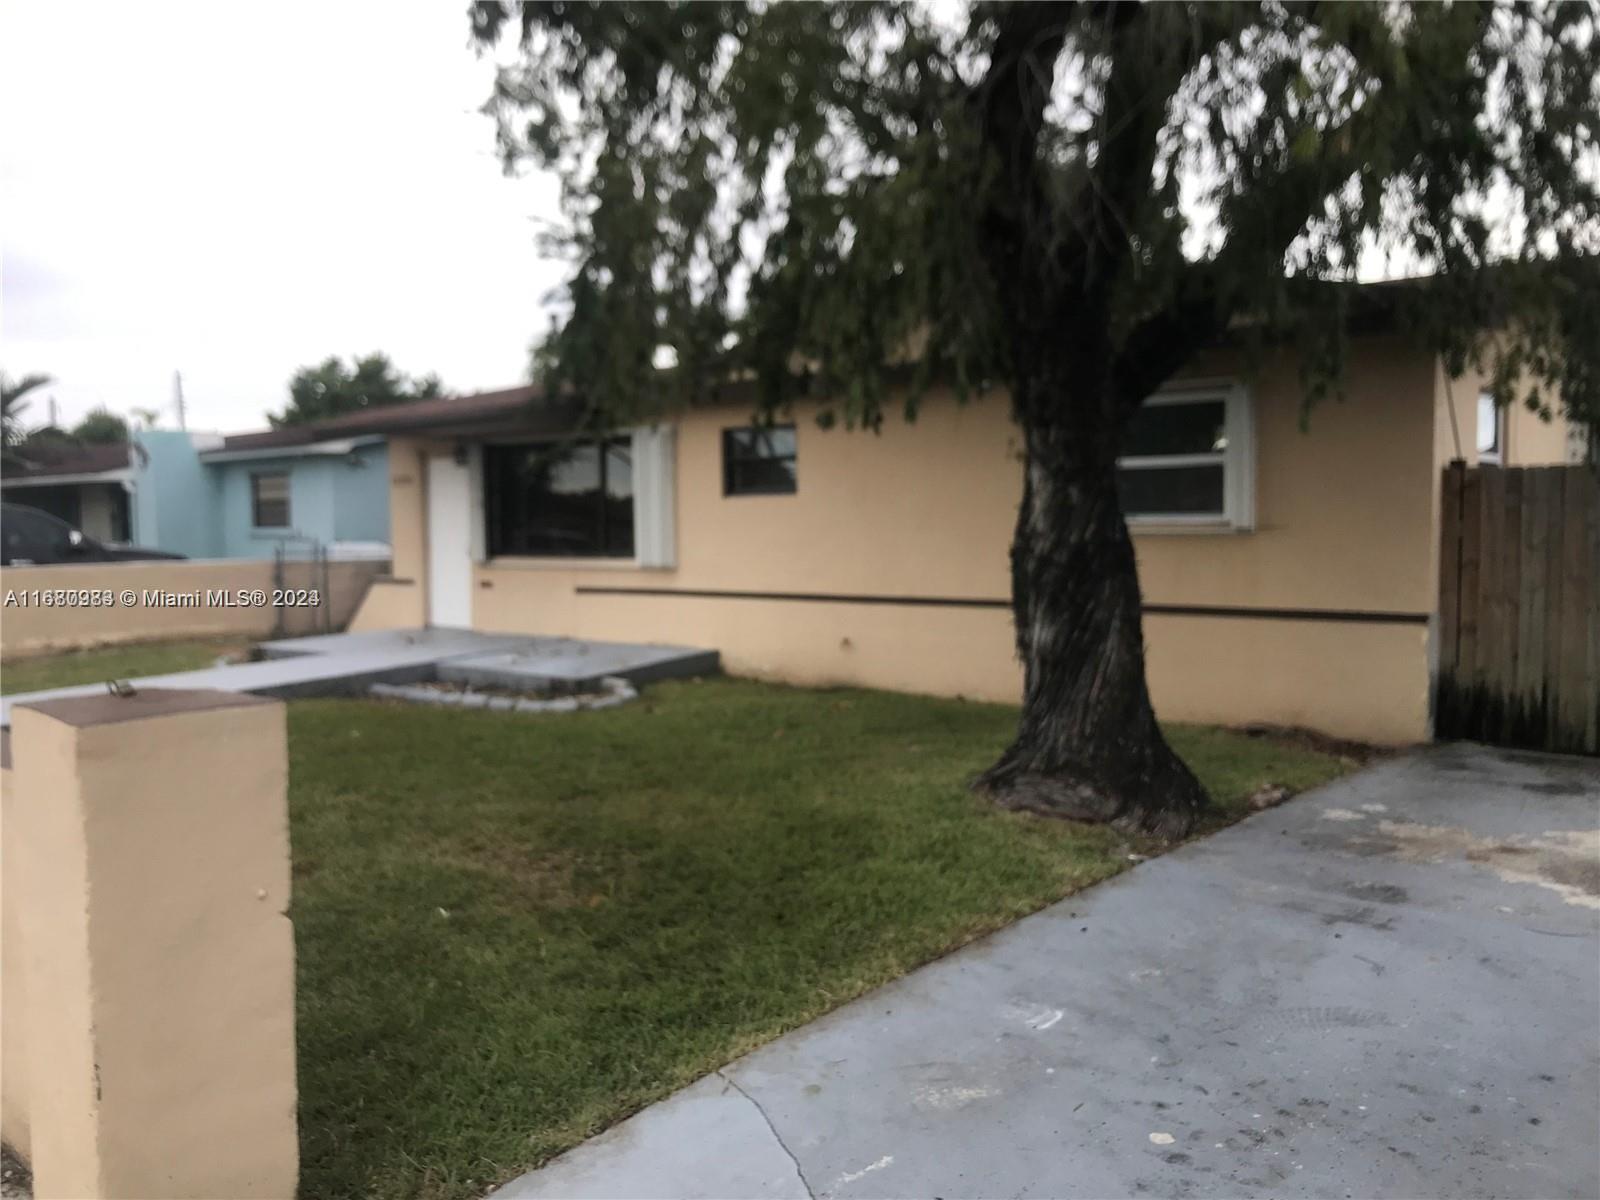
[(137, 491), (83, 485), (1289, 573), (204, 495), (296, 488)]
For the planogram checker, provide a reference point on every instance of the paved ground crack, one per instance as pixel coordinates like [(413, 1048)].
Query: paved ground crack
[(777, 1137)]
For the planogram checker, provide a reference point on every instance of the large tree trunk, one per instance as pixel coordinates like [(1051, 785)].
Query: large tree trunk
[(1088, 746)]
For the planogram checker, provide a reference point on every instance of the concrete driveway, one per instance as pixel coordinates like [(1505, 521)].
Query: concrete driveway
[(1387, 987)]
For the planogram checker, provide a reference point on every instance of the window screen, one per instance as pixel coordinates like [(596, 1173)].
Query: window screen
[(1175, 460)]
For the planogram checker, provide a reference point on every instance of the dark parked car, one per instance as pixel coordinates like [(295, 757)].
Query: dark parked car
[(30, 536)]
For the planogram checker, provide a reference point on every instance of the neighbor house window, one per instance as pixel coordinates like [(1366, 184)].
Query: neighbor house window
[(1186, 460), (560, 500), (1491, 428), (758, 461), (269, 500)]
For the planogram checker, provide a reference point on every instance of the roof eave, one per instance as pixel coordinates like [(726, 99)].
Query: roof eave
[(333, 448)]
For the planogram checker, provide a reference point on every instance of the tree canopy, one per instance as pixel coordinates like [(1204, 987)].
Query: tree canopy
[(14, 403), (1069, 201), (332, 389), (758, 186), (101, 427)]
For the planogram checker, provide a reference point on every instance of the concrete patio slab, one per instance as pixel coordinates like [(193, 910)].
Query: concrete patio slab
[(347, 663), (439, 641), (569, 664), (1388, 987)]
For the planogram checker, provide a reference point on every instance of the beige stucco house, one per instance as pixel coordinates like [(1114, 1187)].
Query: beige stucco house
[(1289, 569)]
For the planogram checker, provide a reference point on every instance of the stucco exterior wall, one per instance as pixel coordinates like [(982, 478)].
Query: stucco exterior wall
[(399, 600), (1341, 559), (175, 498), (1532, 442), (391, 604), (1529, 440), (157, 959), (30, 626), (331, 498), (361, 496), (14, 1111)]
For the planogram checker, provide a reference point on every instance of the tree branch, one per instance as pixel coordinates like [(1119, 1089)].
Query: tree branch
[(1011, 101)]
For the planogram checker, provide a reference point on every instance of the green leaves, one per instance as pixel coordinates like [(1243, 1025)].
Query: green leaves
[(101, 427), (332, 389), (13, 403), (864, 200), (749, 191)]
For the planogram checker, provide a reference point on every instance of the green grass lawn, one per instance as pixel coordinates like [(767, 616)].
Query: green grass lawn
[(513, 931), (34, 674)]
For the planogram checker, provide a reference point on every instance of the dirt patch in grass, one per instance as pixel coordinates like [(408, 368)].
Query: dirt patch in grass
[(1355, 753)]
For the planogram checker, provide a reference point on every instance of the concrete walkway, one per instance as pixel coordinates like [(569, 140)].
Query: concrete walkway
[(1388, 987), (347, 663)]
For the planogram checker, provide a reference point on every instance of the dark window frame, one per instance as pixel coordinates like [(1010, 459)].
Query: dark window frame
[(737, 458), (256, 501), (509, 534)]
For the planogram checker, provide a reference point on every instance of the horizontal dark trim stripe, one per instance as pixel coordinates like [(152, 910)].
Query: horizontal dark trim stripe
[(1352, 616), (813, 597)]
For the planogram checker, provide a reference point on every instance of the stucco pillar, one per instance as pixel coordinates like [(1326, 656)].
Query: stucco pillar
[(13, 994), (153, 856)]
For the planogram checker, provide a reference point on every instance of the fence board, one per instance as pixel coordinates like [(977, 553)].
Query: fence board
[(1553, 580), (1450, 485), (1592, 520), (1576, 579), (1491, 518), (1509, 591), (1467, 617), (1530, 613)]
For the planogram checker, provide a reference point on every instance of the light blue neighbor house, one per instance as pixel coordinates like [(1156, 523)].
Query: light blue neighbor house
[(271, 490), (248, 495)]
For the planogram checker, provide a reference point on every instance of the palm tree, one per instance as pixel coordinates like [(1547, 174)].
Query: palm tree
[(12, 403)]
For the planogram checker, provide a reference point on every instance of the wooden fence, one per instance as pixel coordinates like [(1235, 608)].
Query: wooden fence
[(1519, 607)]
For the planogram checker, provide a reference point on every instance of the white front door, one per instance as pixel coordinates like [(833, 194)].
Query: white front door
[(449, 543)]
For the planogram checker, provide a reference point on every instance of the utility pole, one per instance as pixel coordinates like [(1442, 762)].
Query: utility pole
[(177, 399)]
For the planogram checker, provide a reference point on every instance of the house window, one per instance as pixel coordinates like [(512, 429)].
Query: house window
[(560, 500), (269, 500), (1186, 460), (1491, 428), (758, 461)]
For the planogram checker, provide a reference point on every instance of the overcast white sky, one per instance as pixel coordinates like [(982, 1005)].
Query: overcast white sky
[(235, 190)]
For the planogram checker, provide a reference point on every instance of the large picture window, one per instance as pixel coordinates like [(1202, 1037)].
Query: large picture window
[(759, 461), (269, 500), (1186, 460), (560, 500)]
